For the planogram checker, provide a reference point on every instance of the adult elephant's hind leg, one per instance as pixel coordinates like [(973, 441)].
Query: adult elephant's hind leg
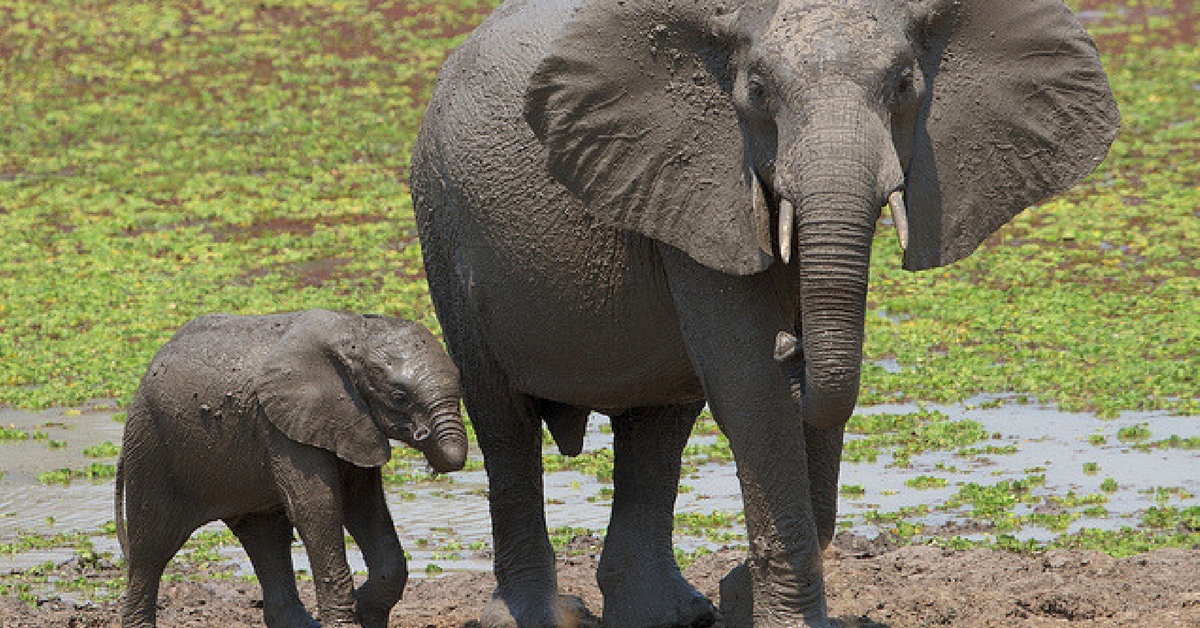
[(510, 437), (638, 574)]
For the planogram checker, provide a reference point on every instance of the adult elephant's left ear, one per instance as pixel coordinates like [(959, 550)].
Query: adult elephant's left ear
[(633, 103), (307, 390), (1019, 109)]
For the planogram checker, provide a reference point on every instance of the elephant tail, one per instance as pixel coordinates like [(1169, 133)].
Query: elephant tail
[(119, 508)]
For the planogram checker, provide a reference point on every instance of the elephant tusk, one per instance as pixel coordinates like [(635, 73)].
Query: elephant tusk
[(758, 198), (787, 217), (899, 217), (785, 346)]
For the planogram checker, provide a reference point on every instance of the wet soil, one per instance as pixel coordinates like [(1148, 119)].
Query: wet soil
[(908, 587)]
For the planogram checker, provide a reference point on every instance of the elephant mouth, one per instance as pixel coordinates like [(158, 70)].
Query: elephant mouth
[(766, 200)]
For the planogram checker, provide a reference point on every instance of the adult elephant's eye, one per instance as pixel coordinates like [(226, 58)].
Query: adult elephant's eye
[(906, 90), (756, 94)]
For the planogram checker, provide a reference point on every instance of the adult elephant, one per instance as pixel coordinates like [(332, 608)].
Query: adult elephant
[(638, 207)]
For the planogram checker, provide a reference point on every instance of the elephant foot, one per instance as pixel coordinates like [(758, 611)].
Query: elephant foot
[(292, 616), (373, 617), (635, 598), (516, 611), (737, 605)]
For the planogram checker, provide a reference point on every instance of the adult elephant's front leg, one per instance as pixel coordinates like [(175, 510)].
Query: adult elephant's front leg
[(638, 574), (824, 448), (729, 324)]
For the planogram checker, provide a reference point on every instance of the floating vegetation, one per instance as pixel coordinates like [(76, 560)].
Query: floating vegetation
[(96, 471), (103, 450)]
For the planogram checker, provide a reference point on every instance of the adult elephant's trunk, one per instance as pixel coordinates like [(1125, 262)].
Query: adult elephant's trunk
[(445, 442), (837, 193)]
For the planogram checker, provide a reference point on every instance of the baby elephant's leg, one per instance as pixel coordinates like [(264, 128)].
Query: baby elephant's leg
[(309, 479), (370, 523), (155, 535), (267, 539)]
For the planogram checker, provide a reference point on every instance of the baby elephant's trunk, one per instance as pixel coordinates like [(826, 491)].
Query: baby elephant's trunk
[(445, 442)]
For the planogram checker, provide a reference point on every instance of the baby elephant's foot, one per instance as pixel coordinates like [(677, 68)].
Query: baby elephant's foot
[(565, 611), (632, 600)]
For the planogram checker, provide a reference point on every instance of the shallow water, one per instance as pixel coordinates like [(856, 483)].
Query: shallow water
[(439, 524)]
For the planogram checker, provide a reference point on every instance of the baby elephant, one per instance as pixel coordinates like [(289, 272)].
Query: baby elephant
[(266, 422)]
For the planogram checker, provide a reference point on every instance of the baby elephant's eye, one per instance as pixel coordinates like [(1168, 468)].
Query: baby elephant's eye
[(399, 396)]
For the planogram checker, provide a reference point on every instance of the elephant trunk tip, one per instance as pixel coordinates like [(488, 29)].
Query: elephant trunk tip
[(446, 447), (821, 405), (828, 413)]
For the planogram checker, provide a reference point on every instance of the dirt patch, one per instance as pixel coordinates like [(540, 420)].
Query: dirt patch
[(906, 587)]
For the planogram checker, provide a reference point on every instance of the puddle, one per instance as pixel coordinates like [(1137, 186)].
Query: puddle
[(447, 524), (1050, 443), (27, 505)]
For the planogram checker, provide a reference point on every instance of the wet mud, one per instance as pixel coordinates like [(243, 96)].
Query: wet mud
[(909, 587)]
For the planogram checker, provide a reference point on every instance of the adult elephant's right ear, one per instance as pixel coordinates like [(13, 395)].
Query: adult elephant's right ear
[(633, 103), (307, 389)]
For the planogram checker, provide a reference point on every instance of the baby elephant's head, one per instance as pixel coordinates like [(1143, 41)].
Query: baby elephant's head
[(413, 390)]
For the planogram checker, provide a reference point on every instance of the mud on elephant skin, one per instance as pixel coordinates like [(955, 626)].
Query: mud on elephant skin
[(641, 207), (266, 422)]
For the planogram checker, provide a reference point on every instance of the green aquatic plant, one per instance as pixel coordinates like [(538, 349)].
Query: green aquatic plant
[(562, 536), (922, 482), (597, 464), (715, 526), (1133, 434), (96, 471), (29, 541), (11, 433), (1190, 443), (907, 434), (228, 157), (103, 450), (684, 559)]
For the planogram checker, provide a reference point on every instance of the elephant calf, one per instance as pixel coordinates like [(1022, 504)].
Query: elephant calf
[(266, 422)]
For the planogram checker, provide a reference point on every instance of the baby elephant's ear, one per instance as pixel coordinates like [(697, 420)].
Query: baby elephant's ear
[(307, 389)]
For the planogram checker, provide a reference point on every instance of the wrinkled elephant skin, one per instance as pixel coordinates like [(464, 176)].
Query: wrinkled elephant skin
[(266, 422), (640, 207)]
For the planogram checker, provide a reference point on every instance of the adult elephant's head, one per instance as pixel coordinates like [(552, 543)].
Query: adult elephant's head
[(741, 131)]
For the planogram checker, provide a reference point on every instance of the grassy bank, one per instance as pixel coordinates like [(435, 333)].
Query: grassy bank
[(159, 163)]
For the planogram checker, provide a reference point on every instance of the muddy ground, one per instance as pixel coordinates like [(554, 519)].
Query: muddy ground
[(868, 586)]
